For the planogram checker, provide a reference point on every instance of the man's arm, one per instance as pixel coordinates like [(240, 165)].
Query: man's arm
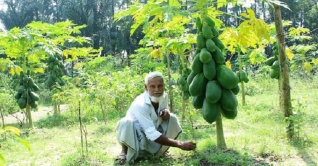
[(174, 143)]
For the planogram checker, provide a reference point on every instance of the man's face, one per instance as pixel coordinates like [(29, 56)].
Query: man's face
[(155, 87)]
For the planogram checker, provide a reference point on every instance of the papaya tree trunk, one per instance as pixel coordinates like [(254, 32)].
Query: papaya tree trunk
[(219, 133), (55, 108), (285, 98), (29, 116), (103, 111), (183, 108), (243, 92), (169, 81), (240, 69), (2, 118)]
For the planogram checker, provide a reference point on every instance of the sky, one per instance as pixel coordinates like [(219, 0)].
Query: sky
[(2, 7)]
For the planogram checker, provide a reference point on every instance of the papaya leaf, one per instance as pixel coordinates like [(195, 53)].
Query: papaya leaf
[(315, 61), (277, 2), (289, 54), (299, 33), (15, 70), (1, 159), (308, 66), (14, 130), (221, 3), (38, 70), (4, 63), (257, 56), (24, 142), (174, 3)]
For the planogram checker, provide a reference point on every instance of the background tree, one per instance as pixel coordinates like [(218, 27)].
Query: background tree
[(28, 48)]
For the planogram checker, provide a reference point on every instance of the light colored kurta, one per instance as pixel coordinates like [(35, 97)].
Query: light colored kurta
[(141, 126)]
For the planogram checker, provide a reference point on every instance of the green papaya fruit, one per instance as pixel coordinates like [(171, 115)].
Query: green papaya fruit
[(213, 91), (210, 21), (275, 65), (270, 61), (197, 101), (274, 74), (185, 95), (205, 55), (236, 90), (215, 32), (226, 77), (182, 80), (198, 24), (184, 87), (218, 43), (21, 89), (34, 96), (190, 77), (197, 65), (218, 57), (30, 82), (206, 31), (200, 41), (210, 111), (229, 114), (198, 85), (17, 95), (210, 45), (228, 100), (22, 103), (243, 76), (209, 70), (34, 104)]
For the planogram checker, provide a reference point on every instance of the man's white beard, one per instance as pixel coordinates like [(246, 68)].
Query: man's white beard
[(156, 99)]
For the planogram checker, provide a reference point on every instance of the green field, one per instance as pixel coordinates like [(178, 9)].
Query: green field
[(256, 137)]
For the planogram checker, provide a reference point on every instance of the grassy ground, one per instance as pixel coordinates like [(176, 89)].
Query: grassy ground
[(256, 137)]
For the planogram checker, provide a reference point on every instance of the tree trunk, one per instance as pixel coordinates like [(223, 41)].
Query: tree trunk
[(243, 93), (183, 107), (55, 108), (2, 118), (240, 69), (29, 116), (220, 140), (285, 98), (169, 80)]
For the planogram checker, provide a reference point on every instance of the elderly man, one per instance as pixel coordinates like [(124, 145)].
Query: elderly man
[(149, 127)]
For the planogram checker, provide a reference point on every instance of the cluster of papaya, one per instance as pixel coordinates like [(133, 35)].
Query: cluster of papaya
[(273, 62), (212, 85), (55, 68), (26, 92), (242, 76), (182, 82)]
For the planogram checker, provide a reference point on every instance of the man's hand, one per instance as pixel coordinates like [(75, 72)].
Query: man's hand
[(187, 145), (164, 114)]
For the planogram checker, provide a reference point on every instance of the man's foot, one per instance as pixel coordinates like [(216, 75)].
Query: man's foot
[(167, 154), (121, 159)]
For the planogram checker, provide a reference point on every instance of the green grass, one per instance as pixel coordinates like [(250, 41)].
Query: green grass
[(256, 137)]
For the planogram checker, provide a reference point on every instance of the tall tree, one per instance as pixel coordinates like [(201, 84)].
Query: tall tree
[(285, 98)]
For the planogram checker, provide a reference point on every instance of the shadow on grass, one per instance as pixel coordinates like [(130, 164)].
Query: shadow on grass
[(55, 121), (206, 157), (300, 144)]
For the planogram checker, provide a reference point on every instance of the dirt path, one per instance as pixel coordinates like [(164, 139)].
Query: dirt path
[(36, 115)]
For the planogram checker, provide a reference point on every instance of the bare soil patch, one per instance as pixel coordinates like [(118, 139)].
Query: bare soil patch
[(41, 112)]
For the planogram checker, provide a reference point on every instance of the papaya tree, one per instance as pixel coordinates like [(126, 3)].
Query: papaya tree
[(284, 85), (164, 25), (278, 63), (250, 37), (27, 49)]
